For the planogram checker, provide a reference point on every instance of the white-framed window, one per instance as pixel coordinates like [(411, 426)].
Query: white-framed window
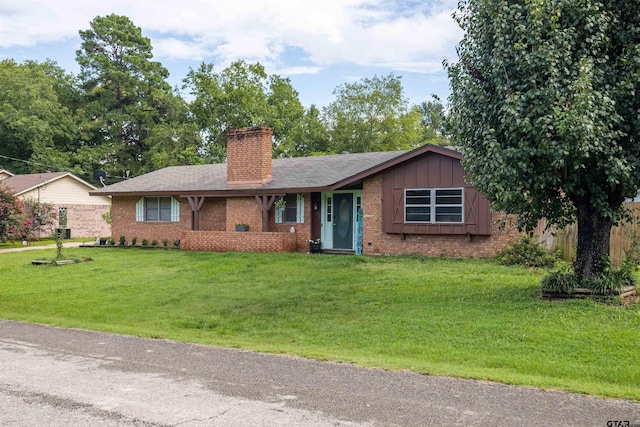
[(293, 211), (158, 209), (433, 205)]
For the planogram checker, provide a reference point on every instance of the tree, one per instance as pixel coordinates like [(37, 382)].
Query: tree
[(37, 129), (241, 95), (433, 122), (545, 106), (307, 137), (371, 115), (10, 214), (126, 95), (38, 216)]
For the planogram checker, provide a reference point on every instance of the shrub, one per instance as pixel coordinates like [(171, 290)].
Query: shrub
[(527, 253), (154, 242), (112, 242), (134, 240), (165, 242), (611, 279), (560, 282), (176, 243), (145, 242), (123, 241)]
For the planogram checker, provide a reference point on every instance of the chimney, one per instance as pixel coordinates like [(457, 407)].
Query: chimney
[(249, 156)]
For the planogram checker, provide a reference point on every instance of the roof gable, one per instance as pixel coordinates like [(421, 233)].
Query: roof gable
[(21, 184)]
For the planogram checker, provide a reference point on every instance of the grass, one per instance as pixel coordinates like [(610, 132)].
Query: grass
[(464, 318), (41, 242)]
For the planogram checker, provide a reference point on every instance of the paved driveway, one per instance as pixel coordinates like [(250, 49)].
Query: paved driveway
[(56, 377)]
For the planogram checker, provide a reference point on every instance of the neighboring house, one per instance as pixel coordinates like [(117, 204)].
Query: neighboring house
[(410, 202), (4, 174), (70, 197)]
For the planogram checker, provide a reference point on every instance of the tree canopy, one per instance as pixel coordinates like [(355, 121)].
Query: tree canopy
[(372, 115), (545, 107), (120, 115)]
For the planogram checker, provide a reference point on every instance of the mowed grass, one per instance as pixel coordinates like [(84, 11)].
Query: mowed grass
[(464, 318)]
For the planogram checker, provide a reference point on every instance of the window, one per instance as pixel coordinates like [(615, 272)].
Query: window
[(62, 218), (293, 211), (158, 209), (433, 205)]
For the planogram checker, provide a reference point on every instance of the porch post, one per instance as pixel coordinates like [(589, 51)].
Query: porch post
[(196, 203), (265, 203)]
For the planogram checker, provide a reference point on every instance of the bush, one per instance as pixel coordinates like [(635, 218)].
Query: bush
[(154, 242), (134, 240), (611, 278), (526, 253), (165, 242), (145, 242), (176, 243), (123, 240), (560, 282)]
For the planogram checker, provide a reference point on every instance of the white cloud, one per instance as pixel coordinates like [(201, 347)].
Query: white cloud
[(403, 35)]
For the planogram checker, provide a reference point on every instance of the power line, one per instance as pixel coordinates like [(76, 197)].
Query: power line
[(83, 174)]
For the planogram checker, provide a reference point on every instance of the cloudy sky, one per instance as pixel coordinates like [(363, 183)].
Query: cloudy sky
[(318, 44)]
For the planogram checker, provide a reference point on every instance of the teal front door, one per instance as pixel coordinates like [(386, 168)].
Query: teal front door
[(343, 221)]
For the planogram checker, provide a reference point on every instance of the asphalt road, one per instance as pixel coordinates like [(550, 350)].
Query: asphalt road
[(61, 377)]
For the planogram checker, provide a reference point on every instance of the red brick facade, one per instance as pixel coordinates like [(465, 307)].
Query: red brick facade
[(232, 241), (249, 156)]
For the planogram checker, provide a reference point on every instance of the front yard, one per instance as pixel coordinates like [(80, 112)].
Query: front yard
[(466, 318)]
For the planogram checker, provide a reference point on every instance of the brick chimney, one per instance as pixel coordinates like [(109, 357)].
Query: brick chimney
[(249, 156)]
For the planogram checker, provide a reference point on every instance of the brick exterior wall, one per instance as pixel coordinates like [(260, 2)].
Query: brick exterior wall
[(243, 210), (302, 231), (249, 156), (376, 242), (123, 214), (83, 220), (233, 241)]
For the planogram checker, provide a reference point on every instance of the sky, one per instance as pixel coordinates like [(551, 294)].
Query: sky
[(318, 44)]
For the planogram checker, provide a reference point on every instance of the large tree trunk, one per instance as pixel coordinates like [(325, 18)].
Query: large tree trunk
[(593, 241)]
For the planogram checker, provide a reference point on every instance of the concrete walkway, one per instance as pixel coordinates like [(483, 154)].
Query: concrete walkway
[(20, 247), (60, 377)]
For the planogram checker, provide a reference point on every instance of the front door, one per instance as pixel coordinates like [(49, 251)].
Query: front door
[(343, 221)]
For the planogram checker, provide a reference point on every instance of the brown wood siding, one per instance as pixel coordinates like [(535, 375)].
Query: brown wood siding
[(432, 171)]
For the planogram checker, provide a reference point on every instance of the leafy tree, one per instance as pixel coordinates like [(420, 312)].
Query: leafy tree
[(307, 137), (372, 115), (126, 95), (10, 214), (241, 95), (38, 216), (36, 126), (545, 105), (433, 122)]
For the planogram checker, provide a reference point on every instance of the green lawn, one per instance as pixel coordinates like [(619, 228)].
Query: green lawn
[(466, 318)]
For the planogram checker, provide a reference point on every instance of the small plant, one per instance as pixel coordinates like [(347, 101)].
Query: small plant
[(123, 241), (526, 253), (280, 203), (165, 242), (611, 279), (134, 240), (112, 242), (176, 243), (314, 242), (145, 242), (154, 242), (559, 282)]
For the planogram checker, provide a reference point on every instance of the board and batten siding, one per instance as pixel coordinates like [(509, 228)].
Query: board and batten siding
[(432, 171)]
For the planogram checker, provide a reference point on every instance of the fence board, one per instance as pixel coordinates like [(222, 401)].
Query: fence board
[(566, 239)]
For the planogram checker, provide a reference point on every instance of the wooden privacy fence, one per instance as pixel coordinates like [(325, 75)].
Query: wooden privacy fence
[(566, 240)]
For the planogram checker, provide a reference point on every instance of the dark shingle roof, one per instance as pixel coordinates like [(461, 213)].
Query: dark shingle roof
[(21, 183), (296, 173)]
